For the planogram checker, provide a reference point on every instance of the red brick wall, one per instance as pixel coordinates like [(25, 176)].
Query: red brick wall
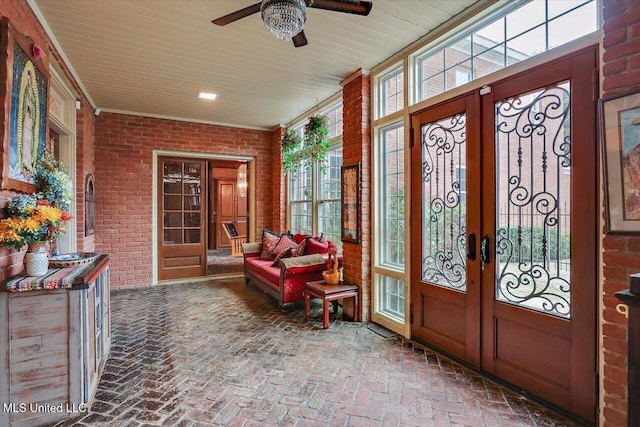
[(621, 254), (356, 142), (124, 147)]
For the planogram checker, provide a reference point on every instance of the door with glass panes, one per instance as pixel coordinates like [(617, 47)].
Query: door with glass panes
[(182, 249), (504, 273)]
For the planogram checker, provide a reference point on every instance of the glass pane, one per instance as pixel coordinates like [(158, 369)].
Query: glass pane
[(489, 36), (330, 177), (393, 225), (172, 203), (391, 297), (488, 61), (192, 219), (172, 185), (558, 7), (444, 215), (459, 75), (191, 203), (172, 237), (434, 86), (525, 18), (572, 25), (301, 218), (393, 87), (458, 52), (192, 172), (335, 121), (525, 46), (172, 219), (192, 236), (533, 188), (301, 183), (432, 64), (329, 222), (172, 170)]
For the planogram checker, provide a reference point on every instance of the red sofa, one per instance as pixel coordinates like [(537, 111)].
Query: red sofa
[(285, 281)]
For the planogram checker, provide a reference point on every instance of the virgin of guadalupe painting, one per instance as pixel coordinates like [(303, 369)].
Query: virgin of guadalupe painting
[(28, 116)]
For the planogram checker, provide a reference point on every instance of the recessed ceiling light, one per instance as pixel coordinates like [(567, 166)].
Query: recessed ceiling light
[(205, 95)]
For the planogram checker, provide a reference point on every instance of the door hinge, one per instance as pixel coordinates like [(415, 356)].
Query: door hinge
[(595, 84), (485, 90), (411, 138), (411, 313)]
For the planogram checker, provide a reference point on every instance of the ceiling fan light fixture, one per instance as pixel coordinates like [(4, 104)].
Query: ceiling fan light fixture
[(284, 18)]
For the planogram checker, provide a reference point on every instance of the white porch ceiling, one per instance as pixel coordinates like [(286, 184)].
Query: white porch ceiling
[(152, 57)]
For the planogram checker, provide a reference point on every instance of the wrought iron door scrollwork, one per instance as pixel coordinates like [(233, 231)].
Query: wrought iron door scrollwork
[(444, 251)]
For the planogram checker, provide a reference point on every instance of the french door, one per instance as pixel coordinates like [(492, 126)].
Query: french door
[(182, 248), (504, 274)]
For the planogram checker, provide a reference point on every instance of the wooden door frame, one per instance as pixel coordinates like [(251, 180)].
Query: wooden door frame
[(251, 161)]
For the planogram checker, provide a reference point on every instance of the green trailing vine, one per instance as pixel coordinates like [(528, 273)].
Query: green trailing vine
[(315, 147)]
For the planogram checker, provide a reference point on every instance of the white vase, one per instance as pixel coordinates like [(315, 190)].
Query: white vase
[(36, 260)]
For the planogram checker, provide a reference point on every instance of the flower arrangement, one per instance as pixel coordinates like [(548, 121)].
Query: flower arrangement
[(316, 144), (53, 183), (31, 221)]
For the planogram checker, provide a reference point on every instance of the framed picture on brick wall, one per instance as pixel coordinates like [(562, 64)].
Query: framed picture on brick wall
[(620, 131), (24, 88), (351, 203)]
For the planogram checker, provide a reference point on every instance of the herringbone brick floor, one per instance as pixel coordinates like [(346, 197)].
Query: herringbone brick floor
[(222, 353)]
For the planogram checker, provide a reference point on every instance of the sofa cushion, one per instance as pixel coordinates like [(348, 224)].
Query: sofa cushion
[(269, 241), (316, 247)]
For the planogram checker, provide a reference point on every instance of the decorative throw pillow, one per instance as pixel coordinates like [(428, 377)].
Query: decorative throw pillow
[(269, 241), (316, 247), (284, 244)]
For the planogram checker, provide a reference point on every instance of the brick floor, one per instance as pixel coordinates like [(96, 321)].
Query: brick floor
[(222, 353)]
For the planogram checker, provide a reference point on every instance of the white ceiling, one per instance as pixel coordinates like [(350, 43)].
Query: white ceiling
[(152, 57)]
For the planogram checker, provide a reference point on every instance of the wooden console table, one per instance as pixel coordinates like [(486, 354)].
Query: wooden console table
[(320, 289), (58, 341)]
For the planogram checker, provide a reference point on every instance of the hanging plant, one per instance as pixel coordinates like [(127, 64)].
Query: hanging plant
[(316, 144)]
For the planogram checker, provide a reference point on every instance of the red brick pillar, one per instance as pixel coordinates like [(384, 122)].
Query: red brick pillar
[(356, 142), (279, 220), (621, 254)]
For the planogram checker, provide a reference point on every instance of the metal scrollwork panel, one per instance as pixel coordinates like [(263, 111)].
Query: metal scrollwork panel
[(444, 215), (533, 200)]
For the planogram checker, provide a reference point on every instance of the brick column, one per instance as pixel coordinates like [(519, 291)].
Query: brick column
[(279, 219), (621, 254), (356, 142)]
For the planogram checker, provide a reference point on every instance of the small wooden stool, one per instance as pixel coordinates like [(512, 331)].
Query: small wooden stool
[(328, 293)]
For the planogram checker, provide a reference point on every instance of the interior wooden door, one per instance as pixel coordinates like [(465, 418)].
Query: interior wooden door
[(445, 287), (225, 209), (506, 266), (182, 218)]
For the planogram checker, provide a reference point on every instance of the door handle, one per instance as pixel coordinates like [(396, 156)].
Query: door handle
[(485, 250), (471, 245)]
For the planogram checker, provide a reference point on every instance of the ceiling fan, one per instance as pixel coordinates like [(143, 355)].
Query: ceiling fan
[(285, 18)]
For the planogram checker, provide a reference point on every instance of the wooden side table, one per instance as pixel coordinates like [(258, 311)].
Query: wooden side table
[(327, 293)]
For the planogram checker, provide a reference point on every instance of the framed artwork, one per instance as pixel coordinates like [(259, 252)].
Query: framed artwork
[(24, 88), (620, 137), (351, 203)]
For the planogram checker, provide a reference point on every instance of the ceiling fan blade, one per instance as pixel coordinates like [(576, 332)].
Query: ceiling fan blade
[(357, 7), (238, 14), (299, 39)]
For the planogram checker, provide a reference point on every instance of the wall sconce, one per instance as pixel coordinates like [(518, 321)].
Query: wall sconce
[(242, 180)]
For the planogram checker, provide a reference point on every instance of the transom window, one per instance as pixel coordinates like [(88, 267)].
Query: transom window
[(518, 34)]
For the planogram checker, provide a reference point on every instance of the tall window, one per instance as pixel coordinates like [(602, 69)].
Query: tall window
[(392, 150), (314, 191)]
